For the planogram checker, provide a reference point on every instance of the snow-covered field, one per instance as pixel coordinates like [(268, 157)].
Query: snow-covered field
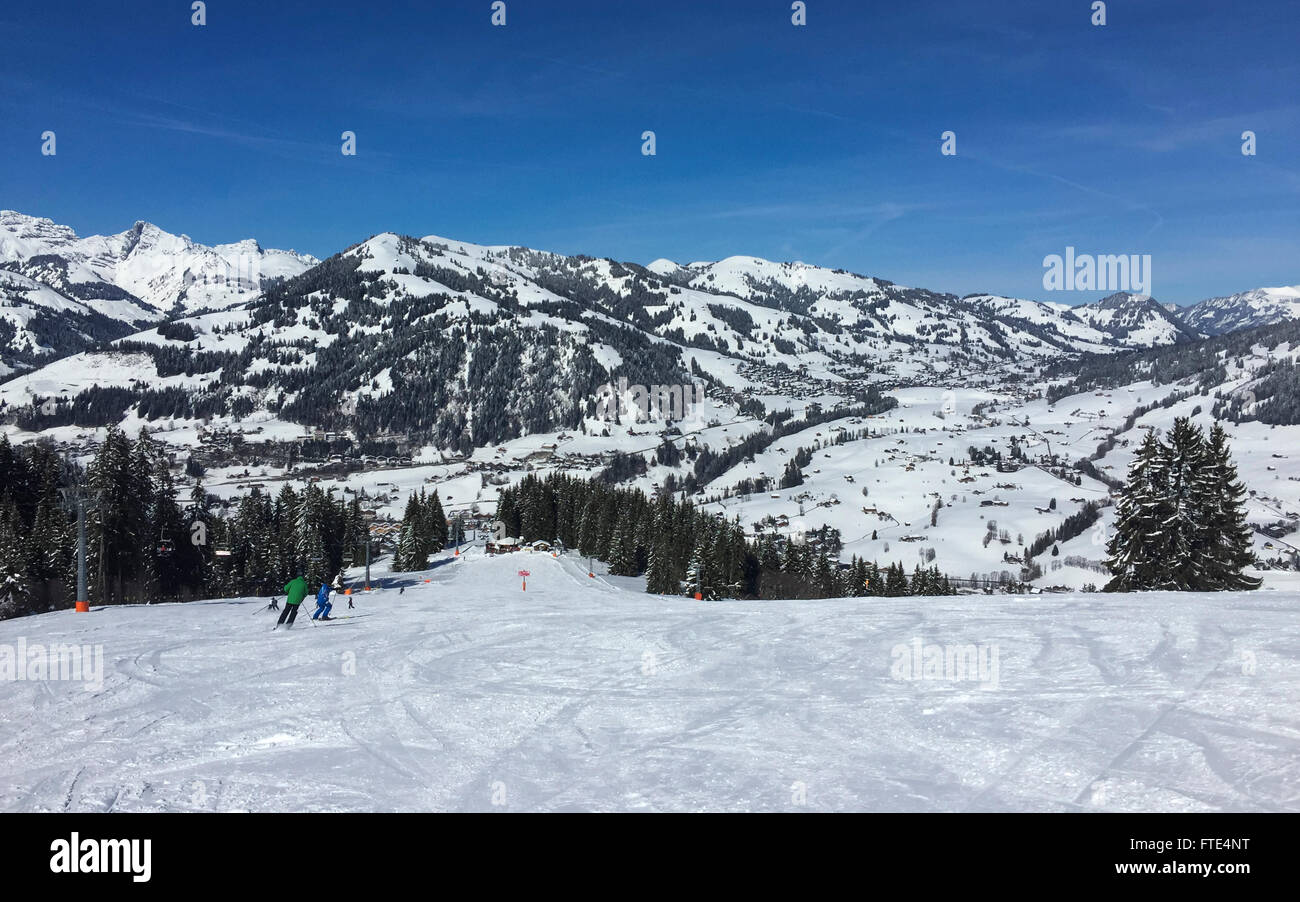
[(467, 693)]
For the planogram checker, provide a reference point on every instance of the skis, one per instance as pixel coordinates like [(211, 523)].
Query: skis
[(323, 622)]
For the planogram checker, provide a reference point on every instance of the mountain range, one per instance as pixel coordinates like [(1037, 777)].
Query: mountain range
[(466, 345), (60, 293)]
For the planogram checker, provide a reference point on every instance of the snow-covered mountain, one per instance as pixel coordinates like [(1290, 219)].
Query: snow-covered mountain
[(463, 346), (38, 322), (825, 399), (877, 306), (119, 282), (1245, 310), (161, 270), (469, 345), (1136, 320)]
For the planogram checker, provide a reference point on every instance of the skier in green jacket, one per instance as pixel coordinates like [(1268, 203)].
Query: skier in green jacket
[(295, 591)]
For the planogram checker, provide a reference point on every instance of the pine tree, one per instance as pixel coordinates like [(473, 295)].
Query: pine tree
[(1231, 549), (436, 524), (116, 531), (1180, 522), (14, 591), (411, 554), (694, 580), (896, 581), (875, 580), (286, 514), (309, 536), (700, 571), (1184, 459), (792, 558), (658, 575), (824, 576), (588, 537), (1137, 551), (920, 584), (621, 557)]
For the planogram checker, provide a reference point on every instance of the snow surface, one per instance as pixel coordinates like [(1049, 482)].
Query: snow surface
[(467, 693)]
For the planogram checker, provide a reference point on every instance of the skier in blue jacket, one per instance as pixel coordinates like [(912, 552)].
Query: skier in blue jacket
[(323, 604)]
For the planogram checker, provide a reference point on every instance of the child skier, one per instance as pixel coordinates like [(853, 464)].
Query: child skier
[(323, 605), (340, 587), (295, 591)]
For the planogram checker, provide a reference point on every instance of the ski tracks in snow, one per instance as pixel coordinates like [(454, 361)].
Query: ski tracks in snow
[(467, 693)]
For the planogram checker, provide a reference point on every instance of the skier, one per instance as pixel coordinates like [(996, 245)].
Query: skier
[(295, 591), (323, 604), (340, 587)]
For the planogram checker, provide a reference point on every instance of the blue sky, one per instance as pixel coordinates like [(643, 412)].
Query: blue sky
[(818, 143)]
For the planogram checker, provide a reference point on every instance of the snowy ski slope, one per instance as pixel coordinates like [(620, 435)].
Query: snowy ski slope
[(466, 693)]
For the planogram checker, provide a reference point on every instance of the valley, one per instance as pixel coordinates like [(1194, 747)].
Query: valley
[(917, 427)]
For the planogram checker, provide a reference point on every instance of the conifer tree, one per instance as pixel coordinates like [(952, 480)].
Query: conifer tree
[(410, 554), (1232, 549), (896, 581), (1139, 545), (1180, 522), (309, 536), (658, 575), (14, 590), (436, 524), (1184, 463), (621, 556)]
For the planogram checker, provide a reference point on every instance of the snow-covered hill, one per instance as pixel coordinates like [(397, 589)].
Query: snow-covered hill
[(1136, 320), (350, 343), (465, 693), (1246, 310), (134, 277), (404, 363), (38, 322), (162, 270)]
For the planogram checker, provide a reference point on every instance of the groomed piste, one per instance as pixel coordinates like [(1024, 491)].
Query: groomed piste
[(466, 693)]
